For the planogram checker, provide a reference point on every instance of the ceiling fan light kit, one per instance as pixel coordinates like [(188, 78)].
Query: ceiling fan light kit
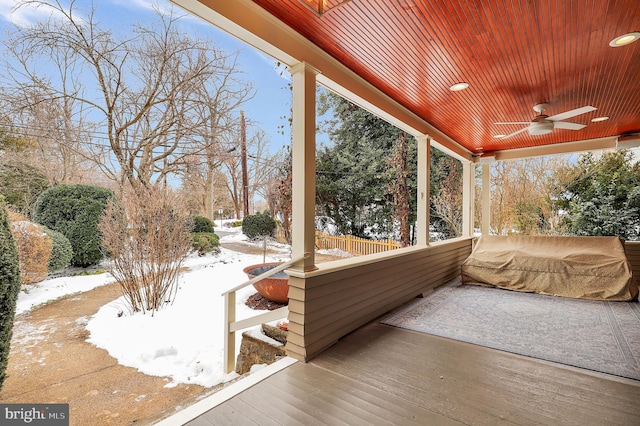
[(542, 124), (540, 127)]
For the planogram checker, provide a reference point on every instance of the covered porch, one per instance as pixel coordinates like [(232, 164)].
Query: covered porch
[(381, 374), (401, 60)]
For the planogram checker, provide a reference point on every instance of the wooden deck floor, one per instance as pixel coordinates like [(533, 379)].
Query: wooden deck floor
[(385, 375)]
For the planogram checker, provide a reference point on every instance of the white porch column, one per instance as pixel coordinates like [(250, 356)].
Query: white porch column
[(424, 167), (468, 183), (303, 164), (486, 198)]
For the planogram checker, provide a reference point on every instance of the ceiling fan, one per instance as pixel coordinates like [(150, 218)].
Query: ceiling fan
[(542, 124)]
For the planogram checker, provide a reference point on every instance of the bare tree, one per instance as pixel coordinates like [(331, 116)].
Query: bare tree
[(218, 99), (279, 193), (262, 167), (500, 210), (448, 202), (521, 195), (205, 192), (55, 134), (144, 92)]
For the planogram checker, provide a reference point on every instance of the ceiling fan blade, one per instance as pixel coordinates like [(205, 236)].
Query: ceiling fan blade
[(572, 113), (513, 122), (566, 125), (515, 133)]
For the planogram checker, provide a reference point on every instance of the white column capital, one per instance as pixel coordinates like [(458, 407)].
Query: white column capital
[(303, 67)]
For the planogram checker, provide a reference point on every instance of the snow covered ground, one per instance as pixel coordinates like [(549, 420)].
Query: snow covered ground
[(184, 340)]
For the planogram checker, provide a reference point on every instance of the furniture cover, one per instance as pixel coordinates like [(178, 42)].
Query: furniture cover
[(581, 267)]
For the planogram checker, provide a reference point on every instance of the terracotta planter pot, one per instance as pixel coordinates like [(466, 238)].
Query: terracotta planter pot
[(274, 288)]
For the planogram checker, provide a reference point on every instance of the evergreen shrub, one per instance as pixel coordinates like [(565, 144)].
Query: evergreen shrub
[(205, 242), (258, 225), (9, 286), (74, 211), (202, 224), (61, 250)]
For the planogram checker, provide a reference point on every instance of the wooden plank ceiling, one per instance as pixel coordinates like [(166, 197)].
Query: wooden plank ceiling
[(513, 53)]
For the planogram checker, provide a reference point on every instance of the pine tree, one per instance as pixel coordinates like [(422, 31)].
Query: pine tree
[(353, 173), (356, 179), (602, 197)]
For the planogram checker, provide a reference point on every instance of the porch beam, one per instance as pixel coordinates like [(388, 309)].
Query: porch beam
[(468, 183), (486, 198), (424, 166), (303, 161), (557, 149)]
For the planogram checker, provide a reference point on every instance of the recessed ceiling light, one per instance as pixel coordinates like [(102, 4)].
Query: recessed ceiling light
[(499, 136), (458, 87), (597, 119), (624, 39), (479, 148)]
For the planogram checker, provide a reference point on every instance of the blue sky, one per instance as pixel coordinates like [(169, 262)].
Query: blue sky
[(272, 99)]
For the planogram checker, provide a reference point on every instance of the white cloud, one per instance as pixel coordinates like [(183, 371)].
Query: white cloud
[(24, 15), (162, 6), (165, 7)]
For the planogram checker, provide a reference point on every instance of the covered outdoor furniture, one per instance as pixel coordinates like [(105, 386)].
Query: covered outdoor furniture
[(581, 267)]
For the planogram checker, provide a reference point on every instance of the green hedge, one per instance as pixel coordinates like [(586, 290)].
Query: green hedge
[(74, 211), (9, 286), (61, 250), (202, 224), (258, 225), (205, 242)]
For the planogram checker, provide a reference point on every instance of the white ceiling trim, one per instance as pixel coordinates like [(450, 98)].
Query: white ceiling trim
[(557, 149)]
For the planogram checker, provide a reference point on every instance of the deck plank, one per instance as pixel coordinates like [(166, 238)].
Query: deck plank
[(233, 413), (385, 375), (480, 384)]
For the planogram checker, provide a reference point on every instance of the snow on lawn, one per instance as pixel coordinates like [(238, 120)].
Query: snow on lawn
[(183, 341), (33, 295)]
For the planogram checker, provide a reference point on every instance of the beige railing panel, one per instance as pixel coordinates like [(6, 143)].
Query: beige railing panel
[(325, 306)]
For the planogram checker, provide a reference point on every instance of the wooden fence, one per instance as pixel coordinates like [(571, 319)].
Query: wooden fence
[(354, 245)]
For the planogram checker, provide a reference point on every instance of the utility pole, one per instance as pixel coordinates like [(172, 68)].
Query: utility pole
[(245, 175)]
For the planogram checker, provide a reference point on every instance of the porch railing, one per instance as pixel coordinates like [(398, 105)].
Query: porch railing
[(230, 323)]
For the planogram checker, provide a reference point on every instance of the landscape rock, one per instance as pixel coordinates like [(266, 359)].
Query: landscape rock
[(256, 350)]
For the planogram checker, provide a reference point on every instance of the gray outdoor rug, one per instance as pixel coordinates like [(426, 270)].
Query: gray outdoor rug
[(600, 336)]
